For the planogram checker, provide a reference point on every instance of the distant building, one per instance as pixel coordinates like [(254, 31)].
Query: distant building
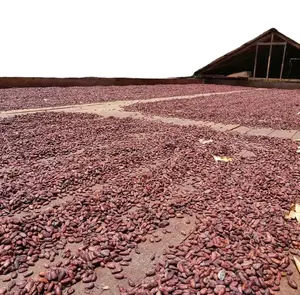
[(271, 55)]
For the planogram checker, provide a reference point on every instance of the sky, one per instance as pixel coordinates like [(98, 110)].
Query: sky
[(131, 38)]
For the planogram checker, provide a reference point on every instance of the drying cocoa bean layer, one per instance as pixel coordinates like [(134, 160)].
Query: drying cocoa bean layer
[(272, 108), (24, 98), (51, 164)]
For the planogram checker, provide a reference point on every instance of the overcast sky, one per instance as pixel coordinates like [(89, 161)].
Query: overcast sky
[(131, 38)]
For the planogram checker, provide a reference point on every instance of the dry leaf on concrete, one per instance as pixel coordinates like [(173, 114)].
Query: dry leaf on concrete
[(222, 159), (205, 141), (294, 213), (297, 263)]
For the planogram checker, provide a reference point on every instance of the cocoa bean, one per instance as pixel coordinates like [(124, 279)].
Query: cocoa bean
[(87, 279), (40, 288), (131, 283), (57, 290), (119, 276), (66, 281), (6, 279), (28, 273), (150, 273), (11, 285), (292, 283), (22, 270), (43, 280), (117, 270), (89, 286), (70, 291), (124, 263), (111, 265)]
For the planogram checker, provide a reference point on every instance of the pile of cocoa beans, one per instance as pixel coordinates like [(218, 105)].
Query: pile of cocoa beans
[(25, 98), (52, 162), (273, 108)]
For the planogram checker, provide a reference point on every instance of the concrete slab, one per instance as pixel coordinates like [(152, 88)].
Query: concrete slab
[(230, 127), (296, 136), (39, 266), (218, 127), (201, 123), (285, 289), (242, 129), (283, 133), (260, 131), (208, 124), (246, 154), (150, 254), (179, 121)]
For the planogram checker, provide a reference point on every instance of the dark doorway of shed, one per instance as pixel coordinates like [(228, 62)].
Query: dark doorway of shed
[(275, 61), (294, 68), (262, 61)]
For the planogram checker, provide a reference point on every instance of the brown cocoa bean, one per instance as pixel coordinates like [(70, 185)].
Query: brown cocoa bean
[(11, 285), (43, 280), (57, 290), (150, 273), (28, 273), (70, 291), (89, 286), (124, 263), (6, 279), (119, 276), (292, 283), (111, 265), (50, 287), (117, 270), (40, 288), (14, 275), (131, 283), (22, 270)]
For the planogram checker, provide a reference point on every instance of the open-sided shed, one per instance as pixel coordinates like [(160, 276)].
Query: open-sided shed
[(270, 55)]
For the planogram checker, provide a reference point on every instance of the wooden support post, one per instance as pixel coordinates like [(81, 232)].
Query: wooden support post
[(269, 59), (254, 70), (282, 63)]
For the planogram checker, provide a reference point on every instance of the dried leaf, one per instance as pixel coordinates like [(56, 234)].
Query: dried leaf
[(222, 159), (294, 213), (297, 263), (290, 215), (297, 139), (203, 141)]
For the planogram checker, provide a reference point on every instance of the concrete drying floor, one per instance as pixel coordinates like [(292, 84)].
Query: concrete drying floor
[(179, 228)]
